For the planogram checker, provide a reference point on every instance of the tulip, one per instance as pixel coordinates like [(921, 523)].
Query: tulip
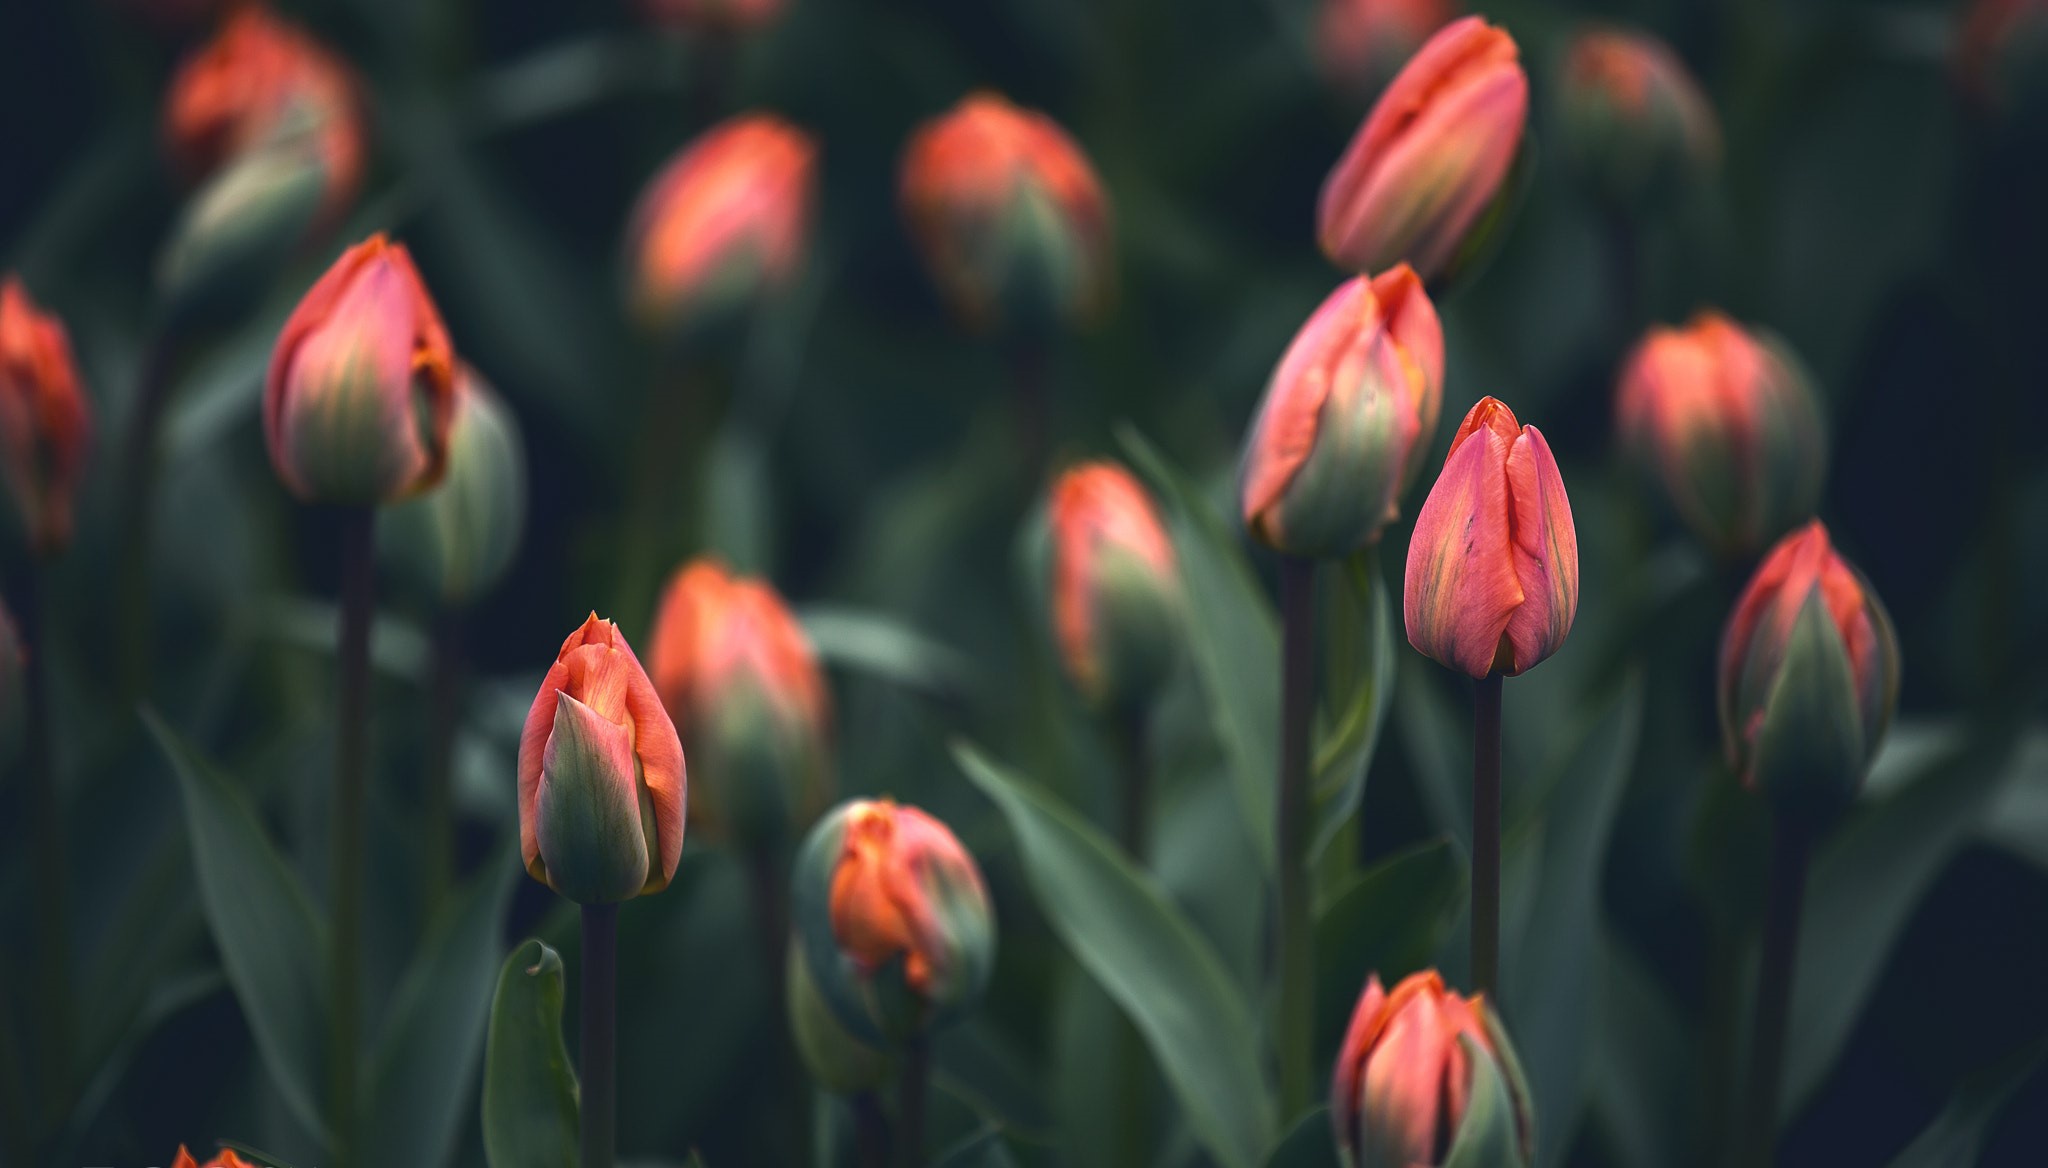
[(722, 17), (724, 225), (458, 538), (1634, 120), (742, 682), (1493, 566), (45, 419), (1008, 214), (262, 80), (1116, 592), (1347, 416), (1432, 157), (226, 1159), (1426, 1077), (1362, 43), (361, 388), (893, 920), (1726, 422), (1999, 51), (1809, 678), (601, 778)]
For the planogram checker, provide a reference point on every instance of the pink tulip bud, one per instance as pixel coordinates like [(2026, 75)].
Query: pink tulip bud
[(1116, 593), (1493, 566), (1432, 156), (45, 419)]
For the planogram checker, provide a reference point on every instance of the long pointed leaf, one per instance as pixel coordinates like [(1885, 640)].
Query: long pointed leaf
[(530, 1111)]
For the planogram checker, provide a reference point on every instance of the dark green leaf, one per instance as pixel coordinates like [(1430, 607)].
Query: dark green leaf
[(1956, 1137), (1361, 627), (983, 1149), (529, 1106), (1146, 956), (884, 647), (1308, 1144), (272, 944)]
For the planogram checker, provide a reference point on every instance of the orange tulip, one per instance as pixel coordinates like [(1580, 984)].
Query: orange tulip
[(1346, 419), (1008, 214), (724, 224), (1432, 156), (1412, 1064), (1362, 43), (740, 679), (601, 777), (45, 419), (1116, 594), (226, 1159), (1633, 118), (1493, 566), (259, 81), (361, 389), (1727, 423)]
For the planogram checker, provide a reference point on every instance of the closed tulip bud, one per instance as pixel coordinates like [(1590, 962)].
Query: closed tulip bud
[(1362, 43), (458, 538), (893, 920), (724, 225), (723, 17), (742, 682), (601, 779), (1116, 592), (2000, 50), (226, 1159), (1432, 157), (259, 83), (1493, 567), (45, 420), (13, 685), (1726, 423), (1634, 120), (1809, 679), (1427, 1078), (361, 388), (1347, 417), (1009, 215)]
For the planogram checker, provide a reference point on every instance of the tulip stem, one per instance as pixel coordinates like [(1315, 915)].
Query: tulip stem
[(1034, 406), (351, 773), (871, 1130), (917, 1069), (47, 855), (600, 1035), (1486, 836), (1128, 730), (767, 864), (446, 713), (135, 515), (1293, 958), (1791, 853)]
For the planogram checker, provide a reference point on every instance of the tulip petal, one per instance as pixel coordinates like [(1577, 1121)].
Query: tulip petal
[(1546, 547), (1403, 1093), (587, 815), (1461, 584), (342, 424)]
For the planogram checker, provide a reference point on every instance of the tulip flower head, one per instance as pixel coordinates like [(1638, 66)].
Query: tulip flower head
[(1809, 679), (893, 919), (724, 225), (1347, 417), (740, 679), (361, 389), (226, 1159), (601, 779), (1362, 43), (1116, 592), (458, 538), (1493, 566), (45, 419), (1432, 157), (1008, 213), (1424, 1076), (1726, 422), (1634, 120)]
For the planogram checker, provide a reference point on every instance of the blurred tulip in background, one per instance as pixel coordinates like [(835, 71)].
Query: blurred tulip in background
[(715, 16), (1634, 121), (1117, 605), (45, 418), (2000, 49), (458, 538), (1360, 44)]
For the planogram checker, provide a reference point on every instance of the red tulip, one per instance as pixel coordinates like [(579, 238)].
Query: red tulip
[(739, 677), (1008, 213), (1432, 156), (1809, 677), (601, 778), (724, 224), (1493, 566), (1116, 594), (45, 419), (1727, 424), (1361, 43), (1346, 418), (1412, 1065), (361, 389)]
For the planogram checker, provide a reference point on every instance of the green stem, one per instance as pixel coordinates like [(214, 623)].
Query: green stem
[(136, 516), (600, 1056), (916, 1075), (445, 714), (1293, 959), (351, 774), (768, 863), (871, 1130), (1791, 853), (47, 854), (1486, 836)]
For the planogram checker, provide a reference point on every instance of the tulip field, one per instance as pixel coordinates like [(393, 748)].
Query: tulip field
[(857, 583)]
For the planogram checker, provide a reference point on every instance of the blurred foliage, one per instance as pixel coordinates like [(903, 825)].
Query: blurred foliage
[(857, 446)]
